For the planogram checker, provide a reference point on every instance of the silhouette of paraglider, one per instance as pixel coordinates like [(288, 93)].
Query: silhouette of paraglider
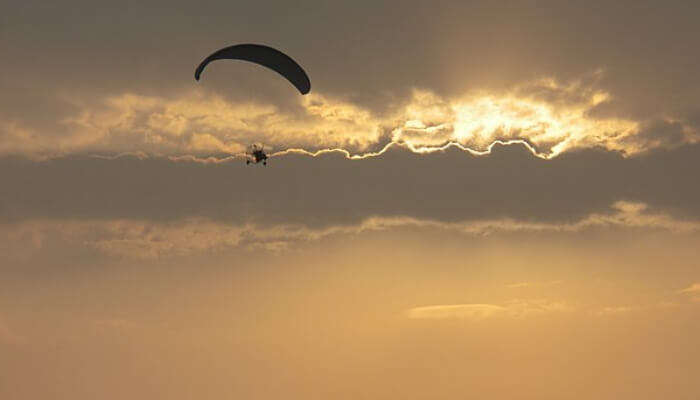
[(265, 56), (256, 154)]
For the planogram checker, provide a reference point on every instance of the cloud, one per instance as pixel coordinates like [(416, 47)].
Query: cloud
[(193, 123), (329, 190), (151, 239), (461, 311), (616, 310), (518, 285), (548, 116), (512, 309), (447, 87), (694, 288)]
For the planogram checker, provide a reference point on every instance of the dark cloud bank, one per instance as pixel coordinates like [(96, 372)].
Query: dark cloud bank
[(330, 189)]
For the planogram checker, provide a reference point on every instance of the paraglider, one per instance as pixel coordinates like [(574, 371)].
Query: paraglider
[(256, 154), (265, 56)]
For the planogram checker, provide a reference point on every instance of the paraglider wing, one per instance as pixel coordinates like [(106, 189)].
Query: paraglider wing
[(265, 56)]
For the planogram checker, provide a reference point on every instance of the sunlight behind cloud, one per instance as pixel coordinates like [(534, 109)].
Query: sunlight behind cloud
[(547, 116)]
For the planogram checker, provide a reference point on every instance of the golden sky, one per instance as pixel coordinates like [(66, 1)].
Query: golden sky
[(476, 200)]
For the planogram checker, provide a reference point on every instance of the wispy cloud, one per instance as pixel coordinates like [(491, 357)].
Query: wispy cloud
[(148, 239), (694, 288), (470, 311), (613, 310), (693, 291), (512, 309), (518, 285)]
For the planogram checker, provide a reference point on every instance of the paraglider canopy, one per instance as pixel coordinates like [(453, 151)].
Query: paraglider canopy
[(265, 56)]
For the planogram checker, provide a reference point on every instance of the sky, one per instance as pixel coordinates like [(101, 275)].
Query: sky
[(492, 200)]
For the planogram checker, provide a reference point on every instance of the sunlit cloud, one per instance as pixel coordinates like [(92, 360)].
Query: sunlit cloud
[(461, 311), (519, 285), (512, 309), (694, 288), (547, 116), (613, 310), (693, 292)]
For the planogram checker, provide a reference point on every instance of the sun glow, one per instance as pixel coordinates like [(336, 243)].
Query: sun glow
[(547, 117), (477, 122)]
